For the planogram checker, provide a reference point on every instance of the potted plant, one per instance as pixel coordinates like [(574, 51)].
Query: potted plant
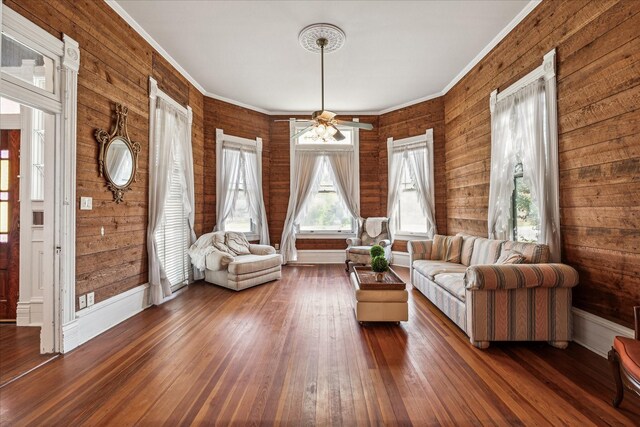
[(379, 265)]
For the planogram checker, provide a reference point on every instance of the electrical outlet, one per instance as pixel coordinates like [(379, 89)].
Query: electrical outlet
[(90, 298), (82, 301)]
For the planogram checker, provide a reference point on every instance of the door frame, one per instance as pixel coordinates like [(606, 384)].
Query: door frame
[(59, 329)]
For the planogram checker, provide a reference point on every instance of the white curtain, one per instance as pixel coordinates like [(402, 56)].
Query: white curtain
[(230, 175), (170, 134), (419, 162), (521, 130), (305, 169), (255, 195), (342, 164)]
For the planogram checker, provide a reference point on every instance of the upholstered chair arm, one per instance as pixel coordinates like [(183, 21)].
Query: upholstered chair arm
[(262, 249), (516, 276), (217, 260), (384, 243), (419, 249), (354, 241)]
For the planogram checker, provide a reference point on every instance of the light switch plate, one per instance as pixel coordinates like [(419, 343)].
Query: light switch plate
[(90, 299), (86, 203), (82, 301)]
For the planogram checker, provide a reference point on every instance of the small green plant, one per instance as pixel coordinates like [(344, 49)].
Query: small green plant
[(376, 251), (379, 264)]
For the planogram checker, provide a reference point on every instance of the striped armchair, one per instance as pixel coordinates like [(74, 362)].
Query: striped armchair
[(371, 231), (530, 301)]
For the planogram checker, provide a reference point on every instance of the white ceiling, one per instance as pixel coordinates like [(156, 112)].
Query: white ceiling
[(396, 52)]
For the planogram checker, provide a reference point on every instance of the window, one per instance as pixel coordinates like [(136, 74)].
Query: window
[(411, 199), (239, 202), (526, 221), (173, 234), (325, 211), (410, 216)]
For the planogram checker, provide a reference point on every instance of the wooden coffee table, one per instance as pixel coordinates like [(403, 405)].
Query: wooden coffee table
[(384, 301)]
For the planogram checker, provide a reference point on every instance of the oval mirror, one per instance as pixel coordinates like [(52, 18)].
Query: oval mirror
[(119, 162), (118, 155)]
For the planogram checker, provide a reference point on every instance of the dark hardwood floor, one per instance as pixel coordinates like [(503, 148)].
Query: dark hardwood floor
[(292, 353), (19, 351)]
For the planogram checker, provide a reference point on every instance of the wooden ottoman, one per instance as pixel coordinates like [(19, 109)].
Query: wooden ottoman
[(384, 301)]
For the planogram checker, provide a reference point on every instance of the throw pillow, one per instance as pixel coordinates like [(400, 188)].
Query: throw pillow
[(237, 243), (510, 257), (446, 248), (218, 243)]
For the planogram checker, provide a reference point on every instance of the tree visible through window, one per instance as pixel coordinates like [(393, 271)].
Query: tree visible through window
[(240, 220), (325, 210), (526, 219)]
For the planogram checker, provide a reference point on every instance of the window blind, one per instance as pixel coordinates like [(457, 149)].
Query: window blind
[(173, 234)]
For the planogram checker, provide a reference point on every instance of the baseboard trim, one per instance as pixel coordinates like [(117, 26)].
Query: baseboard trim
[(401, 259), (320, 256), (595, 333), (92, 321)]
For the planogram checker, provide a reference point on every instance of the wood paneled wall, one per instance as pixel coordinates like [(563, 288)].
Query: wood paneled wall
[(115, 66), (236, 121), (411, 121), (598, 75)]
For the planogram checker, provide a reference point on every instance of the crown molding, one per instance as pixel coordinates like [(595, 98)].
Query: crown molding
[(113, 4), (493, 43)]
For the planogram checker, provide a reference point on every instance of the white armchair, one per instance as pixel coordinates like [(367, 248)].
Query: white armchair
[(371, 231), (232, 262)]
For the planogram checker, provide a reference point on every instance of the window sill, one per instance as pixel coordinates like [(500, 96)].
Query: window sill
[(324, 235), (407, 237)]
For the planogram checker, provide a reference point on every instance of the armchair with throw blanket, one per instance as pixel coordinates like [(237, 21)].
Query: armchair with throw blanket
[(229, 260), (371, 231)]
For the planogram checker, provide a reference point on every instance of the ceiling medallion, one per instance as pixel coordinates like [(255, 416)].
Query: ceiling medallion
[(309, 36)]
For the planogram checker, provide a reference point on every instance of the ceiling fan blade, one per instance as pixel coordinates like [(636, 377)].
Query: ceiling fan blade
[(365, 126), (338, 136), (295, 120), (323, 115), (301, 132)]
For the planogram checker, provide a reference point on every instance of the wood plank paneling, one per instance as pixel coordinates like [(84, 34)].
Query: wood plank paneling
[(115, 66), (292, 353), (236, 121), (411, 121), (599, 116)]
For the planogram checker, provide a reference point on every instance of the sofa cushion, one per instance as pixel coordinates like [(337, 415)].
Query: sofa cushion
[(452, 283), (510, 257), (360, 250), (238, 244), (446, 248), (629, 351), (467, 248), (243, 264), (485, 251), (534, 253), (431, 268)]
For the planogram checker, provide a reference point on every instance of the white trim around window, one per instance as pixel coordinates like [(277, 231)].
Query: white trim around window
[(295, 127), (225, 140), (406, 143)]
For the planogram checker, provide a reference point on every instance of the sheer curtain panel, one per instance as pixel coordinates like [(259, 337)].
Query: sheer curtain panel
[(170, 139), (306, 167), (524, 129)]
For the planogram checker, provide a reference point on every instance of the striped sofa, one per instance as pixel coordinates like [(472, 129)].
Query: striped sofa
[(498, 302)]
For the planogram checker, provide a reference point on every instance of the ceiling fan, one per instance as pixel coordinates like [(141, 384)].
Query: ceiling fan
[(324, 122)]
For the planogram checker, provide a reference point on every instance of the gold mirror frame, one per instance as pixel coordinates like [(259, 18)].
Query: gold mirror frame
[(105, 139)]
